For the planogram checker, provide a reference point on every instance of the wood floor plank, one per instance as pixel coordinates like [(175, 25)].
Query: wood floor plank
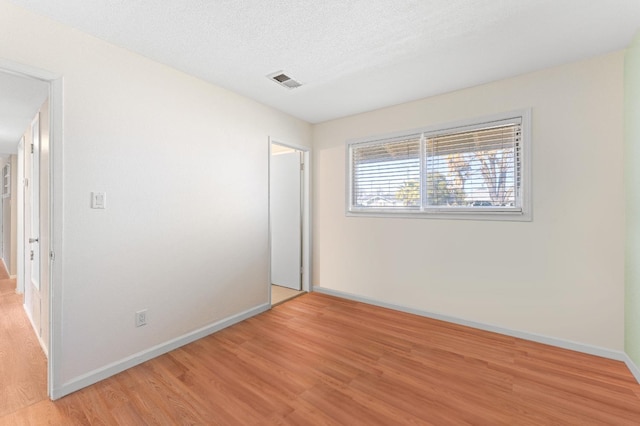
[(23, 366), (321, 360), (7, 286)]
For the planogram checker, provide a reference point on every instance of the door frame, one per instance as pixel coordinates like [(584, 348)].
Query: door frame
[(306, 212), (54, 209)]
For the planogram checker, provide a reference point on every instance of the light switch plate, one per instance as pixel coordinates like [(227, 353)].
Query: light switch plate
[(98, 200)]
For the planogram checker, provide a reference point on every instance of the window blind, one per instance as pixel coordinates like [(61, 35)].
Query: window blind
[(387, 174), (478, 168), (470, 168)]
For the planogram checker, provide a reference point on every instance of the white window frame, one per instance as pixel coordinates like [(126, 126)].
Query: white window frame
[(484, 213)]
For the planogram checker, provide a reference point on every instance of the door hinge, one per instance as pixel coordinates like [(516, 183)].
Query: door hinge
[(302, 167), (52, 255), (31, 255), (32, 148), (26, 182)]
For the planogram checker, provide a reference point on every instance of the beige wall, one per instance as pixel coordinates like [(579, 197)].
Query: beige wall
[(632, 181), (560, 275), (185, 168), (185, 232)]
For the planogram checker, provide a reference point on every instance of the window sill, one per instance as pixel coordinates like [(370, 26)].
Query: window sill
[(507, 216)]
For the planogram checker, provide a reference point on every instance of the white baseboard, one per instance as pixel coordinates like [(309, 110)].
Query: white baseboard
[(143, 356), (126, 363), (553, 341), (632, 367)]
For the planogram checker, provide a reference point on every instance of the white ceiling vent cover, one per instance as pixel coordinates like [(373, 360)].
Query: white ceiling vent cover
[(284, 80)]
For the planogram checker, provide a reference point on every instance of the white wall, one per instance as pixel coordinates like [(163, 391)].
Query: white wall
[(632, 181), (560, 275), (185, 168)]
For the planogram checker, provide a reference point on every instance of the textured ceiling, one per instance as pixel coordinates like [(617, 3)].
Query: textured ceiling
[(353, 56), (20, 100)]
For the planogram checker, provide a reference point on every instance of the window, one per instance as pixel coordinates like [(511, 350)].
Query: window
[(473, 170)]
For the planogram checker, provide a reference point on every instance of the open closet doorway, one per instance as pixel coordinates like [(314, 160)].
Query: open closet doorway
[(288, 221)]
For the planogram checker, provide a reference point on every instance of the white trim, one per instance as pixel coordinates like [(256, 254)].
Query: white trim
[(22, 70), (547, 340), (153, 352), (306, 216), (524, 214), (56, 186), (55, 207), (435, 129), (632, 367)]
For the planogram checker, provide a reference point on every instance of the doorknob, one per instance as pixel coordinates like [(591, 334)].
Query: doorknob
[(33, 240)]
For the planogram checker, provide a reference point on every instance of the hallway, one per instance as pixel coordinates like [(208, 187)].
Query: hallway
[(23, 366)]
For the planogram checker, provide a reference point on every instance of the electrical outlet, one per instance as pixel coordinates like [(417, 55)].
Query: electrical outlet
[(141, 318)]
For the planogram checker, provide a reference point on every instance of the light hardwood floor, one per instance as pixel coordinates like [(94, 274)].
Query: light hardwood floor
[(281, 294), (23, 366), (322, 360)]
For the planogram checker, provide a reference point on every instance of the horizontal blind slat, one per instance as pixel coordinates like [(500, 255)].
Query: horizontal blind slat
[(476, 168)]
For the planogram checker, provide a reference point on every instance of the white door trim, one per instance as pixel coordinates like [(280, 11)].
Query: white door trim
[(306, 213), (55, 211)]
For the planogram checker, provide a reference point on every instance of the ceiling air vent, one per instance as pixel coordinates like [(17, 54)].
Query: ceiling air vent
[(284, 80)]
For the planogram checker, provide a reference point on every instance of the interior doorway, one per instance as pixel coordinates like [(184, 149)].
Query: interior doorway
[(35, 222), (288, 221), (38, 162)]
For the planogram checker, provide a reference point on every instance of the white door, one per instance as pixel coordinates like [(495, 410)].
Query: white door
[(286, 219), (34, 185), (20, 217), (31, 226)]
